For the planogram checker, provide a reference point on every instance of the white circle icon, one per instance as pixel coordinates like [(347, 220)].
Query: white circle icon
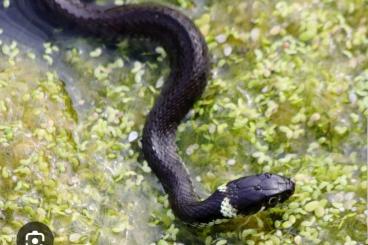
[(34, 241)]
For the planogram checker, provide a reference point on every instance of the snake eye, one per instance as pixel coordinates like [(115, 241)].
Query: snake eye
[(273, 201), (257, 187)]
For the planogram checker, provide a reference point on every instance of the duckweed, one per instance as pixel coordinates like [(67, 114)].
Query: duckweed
[(288, 94)]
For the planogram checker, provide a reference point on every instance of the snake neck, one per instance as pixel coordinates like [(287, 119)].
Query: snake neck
[(166, 164), (160, 152)]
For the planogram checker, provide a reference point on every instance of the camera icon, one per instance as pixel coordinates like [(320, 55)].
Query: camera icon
[(35, 233), (35, 238)]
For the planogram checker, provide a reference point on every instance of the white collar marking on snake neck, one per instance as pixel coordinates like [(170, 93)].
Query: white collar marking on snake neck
[(227, 210)]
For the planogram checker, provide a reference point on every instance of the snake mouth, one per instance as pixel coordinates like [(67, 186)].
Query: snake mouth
[(289, 189)]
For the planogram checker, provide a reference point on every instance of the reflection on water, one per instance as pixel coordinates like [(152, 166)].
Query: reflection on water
[(24, 26)]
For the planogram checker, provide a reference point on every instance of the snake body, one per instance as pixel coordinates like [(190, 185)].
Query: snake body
[(185, 84)]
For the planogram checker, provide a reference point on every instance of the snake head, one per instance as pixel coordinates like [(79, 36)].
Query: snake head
[(252, 194)]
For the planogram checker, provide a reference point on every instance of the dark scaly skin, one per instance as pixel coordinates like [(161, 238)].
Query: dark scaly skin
[(187, 51)]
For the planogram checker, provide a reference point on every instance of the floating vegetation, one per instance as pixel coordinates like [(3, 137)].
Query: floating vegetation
[(288, 94)]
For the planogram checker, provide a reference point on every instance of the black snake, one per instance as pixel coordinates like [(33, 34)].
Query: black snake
[(189, 64)]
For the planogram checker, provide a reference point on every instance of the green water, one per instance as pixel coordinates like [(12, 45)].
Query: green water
[(288, 94)]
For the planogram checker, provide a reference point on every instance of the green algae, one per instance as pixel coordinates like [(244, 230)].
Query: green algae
[(288, 94)]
